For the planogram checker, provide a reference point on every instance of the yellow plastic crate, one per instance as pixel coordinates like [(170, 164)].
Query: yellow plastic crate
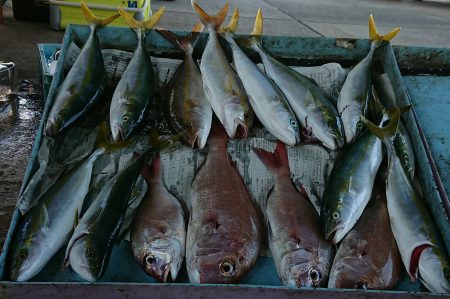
[(63, 12)]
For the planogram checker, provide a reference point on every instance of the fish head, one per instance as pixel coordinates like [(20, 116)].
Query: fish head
[(85, 258), (352, 122), (25, 262), (162, 258), (196, 137), (236, 119), (220, 267), (354, 272), (55, 122), (327, 127), (299, 269), (334, 221), (122, 127), (29, 247), (291, 133)]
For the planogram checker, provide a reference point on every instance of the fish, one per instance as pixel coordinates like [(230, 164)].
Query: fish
[(302, 256), (312, 107), (224, 234), (410, 220), (137, 196), (402, 141), (85, 82), (221, 84), (368, 256), (434, 270), (137, 87), (45, 228), (349, 186), (91, 243), (266, 99), (158, 233), (186, 105), (355, 93)]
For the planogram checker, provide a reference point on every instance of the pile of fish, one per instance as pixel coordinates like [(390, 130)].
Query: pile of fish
[(371, 210)]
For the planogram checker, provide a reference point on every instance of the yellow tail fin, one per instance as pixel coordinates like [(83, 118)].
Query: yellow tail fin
[(143, 25), (93, 20), (258, 28), (216, 21), (232, 26), (375, 36), (102, 140), (386, 132)]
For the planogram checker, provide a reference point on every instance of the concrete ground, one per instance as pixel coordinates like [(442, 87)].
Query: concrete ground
[(423, 24)]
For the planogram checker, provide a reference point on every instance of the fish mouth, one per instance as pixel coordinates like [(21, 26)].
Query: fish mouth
[(116, 131), (198, 140), (334, 234), (241, 130), (50, 129)]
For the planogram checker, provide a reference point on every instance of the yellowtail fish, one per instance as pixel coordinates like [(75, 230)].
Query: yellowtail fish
[(313, 108), (410, 220), (355, 93), (186, 105), (85, 82), (266, 99), (137, 87), (220, 82)]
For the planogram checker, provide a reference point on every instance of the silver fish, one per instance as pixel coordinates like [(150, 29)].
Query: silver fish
[(220, 82), (355, 93), (411, 223), (313, 108), (266, 99)]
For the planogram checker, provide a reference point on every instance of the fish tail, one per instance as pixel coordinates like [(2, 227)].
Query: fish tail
[(155, 167), (277, 161), (143, 26), (216, 20), (232, 26), (102, 140), (387, 132), (93, 20), (378, 38), (256, 34), (218, 135), (185, 43)]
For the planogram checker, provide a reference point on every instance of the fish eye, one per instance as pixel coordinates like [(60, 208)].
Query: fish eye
[(360, 285), (293, 123), (315, 275), (227, 269), (61, 113), (125, 118), (22, 256), (89, 253), (406, 158), (359, 125), (187, 125), (335, 215), (149, 259)]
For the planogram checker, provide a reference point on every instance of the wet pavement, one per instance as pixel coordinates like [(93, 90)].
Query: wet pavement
[(20, 113)]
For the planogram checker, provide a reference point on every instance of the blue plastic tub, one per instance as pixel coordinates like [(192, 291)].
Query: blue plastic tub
[(430, 97)]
